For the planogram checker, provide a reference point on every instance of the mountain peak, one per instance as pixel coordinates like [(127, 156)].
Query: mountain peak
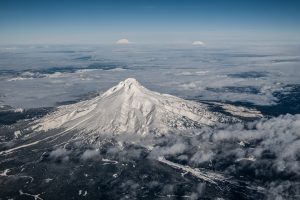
[(129, 86), (131, 108), (130, 81)]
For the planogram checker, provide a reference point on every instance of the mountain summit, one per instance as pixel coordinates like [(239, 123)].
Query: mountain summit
[(131, 108)]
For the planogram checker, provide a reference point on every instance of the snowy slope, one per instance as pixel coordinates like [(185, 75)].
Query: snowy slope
[(130, 107)]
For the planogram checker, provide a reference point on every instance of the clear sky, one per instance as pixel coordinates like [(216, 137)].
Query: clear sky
[(147, 21)]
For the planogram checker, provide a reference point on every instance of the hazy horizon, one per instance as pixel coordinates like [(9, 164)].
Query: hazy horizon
[(148, 22)]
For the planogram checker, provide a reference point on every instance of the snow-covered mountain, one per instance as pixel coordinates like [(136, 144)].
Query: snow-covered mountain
[(129, 107)]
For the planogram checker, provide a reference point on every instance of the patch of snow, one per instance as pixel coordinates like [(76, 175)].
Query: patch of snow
[(85, 193), (17, 134), (241, 143), (35, 197), (5, 172), (250, 158), (18, 147), (241, 111), (48, 180), (109, 161), (184, 173), (205, 175)]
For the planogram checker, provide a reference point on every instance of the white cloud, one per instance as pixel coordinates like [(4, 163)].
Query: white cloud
[(90, 154), (60, 154), (123, 41), (200, 43)]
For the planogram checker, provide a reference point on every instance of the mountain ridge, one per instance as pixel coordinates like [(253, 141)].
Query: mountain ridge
[(130, 107)]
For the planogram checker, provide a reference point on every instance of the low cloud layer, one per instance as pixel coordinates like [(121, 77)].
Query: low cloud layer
[(267, 150), (246, 74)]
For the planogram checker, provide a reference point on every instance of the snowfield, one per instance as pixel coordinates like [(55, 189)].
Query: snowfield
[(129, 107)]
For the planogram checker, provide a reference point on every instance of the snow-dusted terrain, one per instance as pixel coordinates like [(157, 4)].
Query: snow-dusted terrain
[(148, 144), (205, 175), (129, 107)]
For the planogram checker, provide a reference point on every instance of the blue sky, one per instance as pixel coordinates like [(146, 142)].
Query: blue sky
[(152, 21)]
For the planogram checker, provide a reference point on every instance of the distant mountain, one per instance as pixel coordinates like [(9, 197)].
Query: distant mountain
[(131, 108)]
